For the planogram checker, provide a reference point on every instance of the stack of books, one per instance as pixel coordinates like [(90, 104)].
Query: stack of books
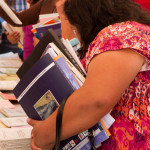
[(15, 138), (47, 21), (9, 65), (50, 73), (14, 130)]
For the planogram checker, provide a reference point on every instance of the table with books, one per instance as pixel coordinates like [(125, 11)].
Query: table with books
[(14, 130)]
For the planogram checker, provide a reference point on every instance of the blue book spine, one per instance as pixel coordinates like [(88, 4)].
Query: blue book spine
[(67, 72)]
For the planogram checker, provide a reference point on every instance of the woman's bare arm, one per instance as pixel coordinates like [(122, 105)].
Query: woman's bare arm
[(109, 75)]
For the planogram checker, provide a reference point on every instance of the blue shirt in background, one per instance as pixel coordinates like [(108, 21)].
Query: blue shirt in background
[(19, 5)]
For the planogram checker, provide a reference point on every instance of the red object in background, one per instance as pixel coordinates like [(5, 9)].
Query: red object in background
[(144, 3)]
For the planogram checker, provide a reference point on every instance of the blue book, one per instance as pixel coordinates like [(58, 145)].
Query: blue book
[(56, 27), (40, 92), (61, 63), (42, 80)]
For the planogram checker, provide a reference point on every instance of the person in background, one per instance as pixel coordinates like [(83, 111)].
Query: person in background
[(116, 55), (17, 5), (31, 16), (28, 36), (5, 45), (8, 41), (28, 41)]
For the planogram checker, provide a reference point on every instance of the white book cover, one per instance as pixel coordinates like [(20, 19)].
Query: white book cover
[(14, 133), (48, 15), (9, 12), (10, 63), (9, 55), (17, 112)]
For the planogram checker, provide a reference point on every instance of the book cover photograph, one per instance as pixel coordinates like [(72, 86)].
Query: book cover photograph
[(46, 105)]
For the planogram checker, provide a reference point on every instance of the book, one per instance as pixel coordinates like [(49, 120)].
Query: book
[(6, 104), (68, 45), (10, 60), (46, 22), (51, 15), (41, 30), (71, 66), (8, 96), (16, 112), (10, 63), (9, 71), (14, 121), (11, 29), (61, 63), (8, 82), (64, 66), (2, 125), (15, 138), (54, 86), (2, 116), (38, 51), (9, 12), (9, 55), (47, 80)]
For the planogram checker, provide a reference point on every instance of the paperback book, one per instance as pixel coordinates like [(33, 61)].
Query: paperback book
[(42, 29)]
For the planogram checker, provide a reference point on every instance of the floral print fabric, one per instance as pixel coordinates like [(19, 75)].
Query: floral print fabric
[(131, 129)]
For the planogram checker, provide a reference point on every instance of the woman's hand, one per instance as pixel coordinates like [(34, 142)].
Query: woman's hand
[(37, 141), (13, 37)]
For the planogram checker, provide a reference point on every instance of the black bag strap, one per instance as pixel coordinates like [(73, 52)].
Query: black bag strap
[(59, 126), (59, 122)]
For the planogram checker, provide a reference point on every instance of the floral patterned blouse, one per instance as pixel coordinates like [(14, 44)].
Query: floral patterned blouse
[(131, 129)]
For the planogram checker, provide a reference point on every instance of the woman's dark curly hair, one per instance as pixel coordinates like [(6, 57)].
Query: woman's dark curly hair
[(91, 16)]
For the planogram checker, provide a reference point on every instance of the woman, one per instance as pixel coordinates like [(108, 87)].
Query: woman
[(28, 41), (115, 35)]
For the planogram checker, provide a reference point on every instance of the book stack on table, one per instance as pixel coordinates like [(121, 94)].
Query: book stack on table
[(14, 130)]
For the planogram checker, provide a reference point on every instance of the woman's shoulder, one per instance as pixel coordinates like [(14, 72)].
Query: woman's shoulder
[(129, 34), (120, 30)]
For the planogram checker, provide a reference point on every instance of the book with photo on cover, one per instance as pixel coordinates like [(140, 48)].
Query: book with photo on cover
[(40, 92)]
